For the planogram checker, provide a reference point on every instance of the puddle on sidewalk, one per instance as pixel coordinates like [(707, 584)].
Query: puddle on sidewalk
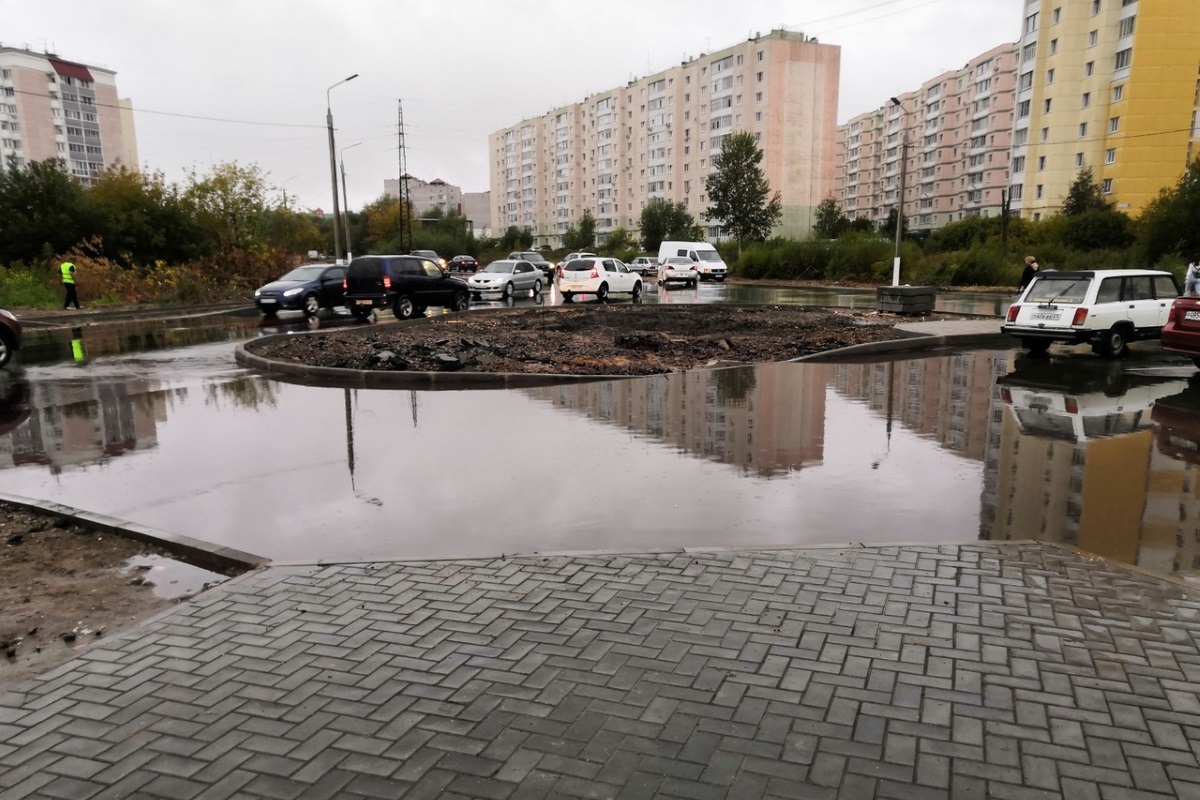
[(171, 579)]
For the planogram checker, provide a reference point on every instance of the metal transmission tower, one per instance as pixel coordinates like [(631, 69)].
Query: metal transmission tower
[(405, 204)]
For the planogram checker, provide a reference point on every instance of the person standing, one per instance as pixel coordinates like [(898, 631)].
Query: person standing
[(1191, 280), (1031, 269), (68, 279)]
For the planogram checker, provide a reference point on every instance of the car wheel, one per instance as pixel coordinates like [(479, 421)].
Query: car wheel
[(537, 288), (360, 312), (461, 301), (1035, 346), (1114, 344), (602, 293), (404, 308), (508, 291), (7, 348), (567, 297), (311, 305), (637, 290)]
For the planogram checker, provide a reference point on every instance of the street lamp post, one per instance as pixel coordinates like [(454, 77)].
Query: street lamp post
[(346, 202), (337, 245), (900, 203)]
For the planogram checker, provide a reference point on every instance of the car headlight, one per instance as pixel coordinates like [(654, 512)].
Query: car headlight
[(258, 292), (293, 292)]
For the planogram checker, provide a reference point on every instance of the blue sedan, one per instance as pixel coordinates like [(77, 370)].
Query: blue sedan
[(308, 288)]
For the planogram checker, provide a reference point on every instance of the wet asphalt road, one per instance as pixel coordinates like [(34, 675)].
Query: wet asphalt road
[(156, 424)]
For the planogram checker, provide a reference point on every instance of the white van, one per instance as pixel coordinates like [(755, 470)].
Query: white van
[(708, 260)]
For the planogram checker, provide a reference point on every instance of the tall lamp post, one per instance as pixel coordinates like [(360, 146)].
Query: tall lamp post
[(900, 203), (345, 202), (337, 244)]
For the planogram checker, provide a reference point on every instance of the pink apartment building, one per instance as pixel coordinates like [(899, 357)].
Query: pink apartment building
[(51, 108), (959, 132)]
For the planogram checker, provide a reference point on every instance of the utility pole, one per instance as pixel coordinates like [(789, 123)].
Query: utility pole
[(346, 202), (900, 202), (337, 245), (406, 240), (1005, 203)]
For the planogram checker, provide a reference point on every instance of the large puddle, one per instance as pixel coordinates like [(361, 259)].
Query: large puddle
[(953, 447)]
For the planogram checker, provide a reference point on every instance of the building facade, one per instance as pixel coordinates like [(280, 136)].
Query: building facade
[(56, 109), (656, 136), (958, 127), (1106, 84), (428, 195), (477, 208)]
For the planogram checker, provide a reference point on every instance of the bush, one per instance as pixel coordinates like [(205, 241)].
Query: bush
[(30, 287)]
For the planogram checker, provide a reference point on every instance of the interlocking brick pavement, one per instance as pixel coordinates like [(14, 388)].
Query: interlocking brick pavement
[(988, 670)]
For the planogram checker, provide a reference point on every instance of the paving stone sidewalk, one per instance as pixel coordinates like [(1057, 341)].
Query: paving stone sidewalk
[(1006, 671)]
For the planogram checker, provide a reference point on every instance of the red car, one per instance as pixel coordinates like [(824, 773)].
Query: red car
[(1181, 334), (10, 336)]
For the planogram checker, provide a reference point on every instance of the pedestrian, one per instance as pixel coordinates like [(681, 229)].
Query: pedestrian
[(68, 279), (1031, 268), (1191, 280)]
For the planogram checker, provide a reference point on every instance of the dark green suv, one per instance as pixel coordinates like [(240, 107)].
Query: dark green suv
[(406, 284)]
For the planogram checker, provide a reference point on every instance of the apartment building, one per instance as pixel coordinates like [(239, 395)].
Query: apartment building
[(427, 195), (958, 127), (51, 108), (656, 136), (1106, 84)]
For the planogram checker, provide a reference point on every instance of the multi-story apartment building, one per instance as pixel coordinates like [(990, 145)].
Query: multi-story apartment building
[(427, 195), (656, 137), (1106, 84), (958, 126), (56, 109)]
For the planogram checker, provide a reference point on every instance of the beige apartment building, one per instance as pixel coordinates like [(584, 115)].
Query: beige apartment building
[(655, 137), (51, 108), (1107, 84), (958, 126)]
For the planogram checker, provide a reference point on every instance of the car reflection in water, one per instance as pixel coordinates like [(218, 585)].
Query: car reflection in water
[(1075, 462), (14, 402)]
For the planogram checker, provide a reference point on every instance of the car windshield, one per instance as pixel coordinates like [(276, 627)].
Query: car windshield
[(679, 260), (310, 273), (1056, 288), (708, 255), (425, 253), (581, 265), (500, 266)]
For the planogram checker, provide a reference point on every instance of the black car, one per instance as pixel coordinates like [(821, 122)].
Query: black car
[(406, 284), (10, 336), (537, 259), (464, 264), (308, 288)]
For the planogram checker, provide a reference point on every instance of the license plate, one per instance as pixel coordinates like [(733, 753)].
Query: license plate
[(1046, 315), (571, 287), (363, 302), (1192, 316), (266, 301), (1038, 401)]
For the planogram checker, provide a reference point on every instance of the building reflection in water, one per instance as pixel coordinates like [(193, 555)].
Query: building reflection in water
[(766, 420)]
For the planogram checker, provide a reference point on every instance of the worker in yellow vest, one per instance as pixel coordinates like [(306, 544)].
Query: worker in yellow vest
[(68, 279)]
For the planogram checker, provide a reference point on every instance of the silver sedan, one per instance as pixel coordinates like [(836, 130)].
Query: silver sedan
[(506, 278)]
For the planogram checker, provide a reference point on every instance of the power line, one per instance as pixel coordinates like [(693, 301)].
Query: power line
[(186, 116)]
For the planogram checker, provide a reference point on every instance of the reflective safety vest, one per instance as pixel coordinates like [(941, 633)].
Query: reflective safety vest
[(67, 275)]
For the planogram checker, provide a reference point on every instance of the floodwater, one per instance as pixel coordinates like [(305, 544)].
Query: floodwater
[(951, 447)]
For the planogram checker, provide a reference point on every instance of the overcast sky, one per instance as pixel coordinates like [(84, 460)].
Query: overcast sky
[(246, 80)]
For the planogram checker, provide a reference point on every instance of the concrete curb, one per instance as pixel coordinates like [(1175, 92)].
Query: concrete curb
[(913, 342), (224, 560)]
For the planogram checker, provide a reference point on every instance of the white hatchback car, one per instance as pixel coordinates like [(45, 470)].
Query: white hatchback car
[(678, 268), (598, 276), (1107, 309)]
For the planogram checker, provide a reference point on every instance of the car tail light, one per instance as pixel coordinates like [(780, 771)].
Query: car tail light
[(595, 273), (345, 284), (1070, 405), (1013, 310), (387, 282), (1080, 316)]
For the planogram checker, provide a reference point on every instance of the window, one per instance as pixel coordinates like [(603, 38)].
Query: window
[(1124, 57), (1053, 46), (1093, 38), (1050, 75), (1018, 190), (1041, 163), (1078, 160), (1039, 191), (758, 77), (1021, 137), (1095, 7), (1089, 68), (1057, 16), (1082, 129), (1018, 164), (1118, 94), (1031, 23), (758, 116), (1114, 125), (1029, 51), (760, 55), (1126, 27), (1025, 81), (758, 97), (1106, 186), (1045, 134), (1047, 105), (1110, 155), (1087, 99), (1022, 109)]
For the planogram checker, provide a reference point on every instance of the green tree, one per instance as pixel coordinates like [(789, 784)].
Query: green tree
[(141, 219), (290, 231), (888, 227), (382, 221), (738, 192), (618, 241), (228, 204), (1084, 195), (1167, 225), (831, 222), (583, 235), (663, 220), (43, 211), (1106, 229)]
